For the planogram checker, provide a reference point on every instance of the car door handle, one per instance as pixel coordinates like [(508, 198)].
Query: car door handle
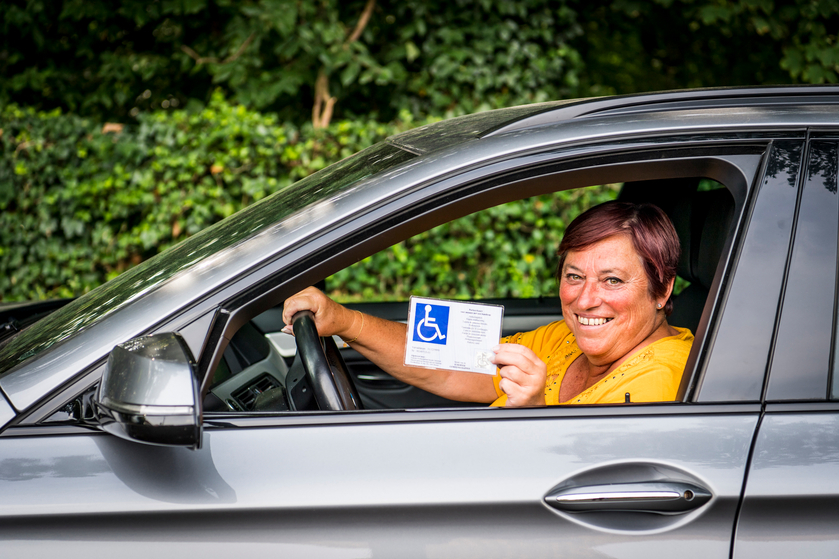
[(377, 380), (659, 497), (375, 377)]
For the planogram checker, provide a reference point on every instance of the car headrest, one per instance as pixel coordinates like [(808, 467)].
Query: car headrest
[(701, 219), (710, 218)]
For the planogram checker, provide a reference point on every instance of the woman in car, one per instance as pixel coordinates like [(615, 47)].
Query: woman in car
[(617, 266)]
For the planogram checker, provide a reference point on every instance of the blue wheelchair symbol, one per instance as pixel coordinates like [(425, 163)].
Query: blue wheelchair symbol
[(431, 323)]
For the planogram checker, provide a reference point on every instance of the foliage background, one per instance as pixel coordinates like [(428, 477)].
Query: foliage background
[(126, 126), (504, 251), (79, 205)]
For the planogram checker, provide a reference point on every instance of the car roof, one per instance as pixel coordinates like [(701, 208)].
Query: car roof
[(440, 135)]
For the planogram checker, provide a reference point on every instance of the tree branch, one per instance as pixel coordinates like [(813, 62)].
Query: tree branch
[(324, 103), (212, 59), (362, 23)]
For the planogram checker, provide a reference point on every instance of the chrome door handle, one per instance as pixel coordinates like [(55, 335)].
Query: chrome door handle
[(659, 497), (375, 377)]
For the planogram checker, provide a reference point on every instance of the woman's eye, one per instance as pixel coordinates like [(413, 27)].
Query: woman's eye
[(613, 281), (572, 277)]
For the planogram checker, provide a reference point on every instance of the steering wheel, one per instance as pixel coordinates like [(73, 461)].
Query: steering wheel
[(328, 374)]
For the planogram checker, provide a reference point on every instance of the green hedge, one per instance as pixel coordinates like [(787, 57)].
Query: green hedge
[(80, 204), (504, 251)]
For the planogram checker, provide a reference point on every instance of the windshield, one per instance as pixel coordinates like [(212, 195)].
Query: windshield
[(151, 274)]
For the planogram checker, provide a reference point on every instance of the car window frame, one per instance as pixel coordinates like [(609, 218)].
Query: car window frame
[(585, 164), (493, 184)]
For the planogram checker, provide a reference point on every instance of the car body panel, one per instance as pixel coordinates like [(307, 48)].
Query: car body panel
[(790, 503), (345, 486)]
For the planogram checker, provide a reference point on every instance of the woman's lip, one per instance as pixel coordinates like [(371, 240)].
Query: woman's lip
[(593, 320)]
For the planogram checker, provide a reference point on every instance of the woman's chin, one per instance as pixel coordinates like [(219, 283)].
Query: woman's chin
[(593, 346)]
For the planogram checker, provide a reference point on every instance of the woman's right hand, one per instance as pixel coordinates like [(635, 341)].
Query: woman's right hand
[(523, 375), (331, 318)]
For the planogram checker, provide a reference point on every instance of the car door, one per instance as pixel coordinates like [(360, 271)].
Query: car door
[(439, 483), (791, 503)]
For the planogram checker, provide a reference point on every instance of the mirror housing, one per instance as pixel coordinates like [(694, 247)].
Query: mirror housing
[(149, 392)]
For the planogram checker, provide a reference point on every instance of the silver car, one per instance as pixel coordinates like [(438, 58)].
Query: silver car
[(164, 414)]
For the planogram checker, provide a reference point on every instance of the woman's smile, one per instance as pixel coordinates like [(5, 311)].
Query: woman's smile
[(592, 321)]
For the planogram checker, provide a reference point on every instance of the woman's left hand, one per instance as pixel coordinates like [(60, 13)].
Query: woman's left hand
[(523, 375)]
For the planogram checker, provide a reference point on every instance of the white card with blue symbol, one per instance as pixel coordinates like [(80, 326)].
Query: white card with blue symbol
[(452, 335)]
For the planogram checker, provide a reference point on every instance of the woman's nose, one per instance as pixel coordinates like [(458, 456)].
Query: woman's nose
[(589, 296)]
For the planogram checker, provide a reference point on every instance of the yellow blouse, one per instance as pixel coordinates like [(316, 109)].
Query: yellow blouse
[(652, 374)]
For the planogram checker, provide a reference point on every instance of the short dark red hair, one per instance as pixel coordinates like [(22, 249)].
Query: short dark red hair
[(651, 231)]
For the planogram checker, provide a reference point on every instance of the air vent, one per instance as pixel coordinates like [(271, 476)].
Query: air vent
[(246, 395)]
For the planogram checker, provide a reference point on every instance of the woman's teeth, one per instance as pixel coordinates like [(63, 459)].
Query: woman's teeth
[(592, 321)]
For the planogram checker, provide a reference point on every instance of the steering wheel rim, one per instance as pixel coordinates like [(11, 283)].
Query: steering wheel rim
[(328, 374)]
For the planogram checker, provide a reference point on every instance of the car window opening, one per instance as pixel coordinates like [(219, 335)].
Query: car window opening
[(459, 265)]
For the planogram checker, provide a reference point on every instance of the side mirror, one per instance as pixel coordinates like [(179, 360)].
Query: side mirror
[(149, 392)]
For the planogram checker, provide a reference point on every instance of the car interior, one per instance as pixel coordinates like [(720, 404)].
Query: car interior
[(261, 371)]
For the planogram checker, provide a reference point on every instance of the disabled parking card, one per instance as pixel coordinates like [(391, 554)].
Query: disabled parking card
[(452, 335)]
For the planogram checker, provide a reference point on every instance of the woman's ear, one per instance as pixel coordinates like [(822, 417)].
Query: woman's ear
[(669, 291)]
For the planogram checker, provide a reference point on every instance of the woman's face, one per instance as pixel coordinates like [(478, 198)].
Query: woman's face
[(606, 300)]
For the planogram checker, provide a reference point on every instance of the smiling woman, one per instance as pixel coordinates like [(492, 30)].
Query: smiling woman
[(617, 267)]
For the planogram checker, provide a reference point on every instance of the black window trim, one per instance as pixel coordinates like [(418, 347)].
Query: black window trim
[(780, 404)]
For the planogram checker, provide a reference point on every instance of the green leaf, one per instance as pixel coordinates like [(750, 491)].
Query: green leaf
[(350, 73), (412, 52)]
